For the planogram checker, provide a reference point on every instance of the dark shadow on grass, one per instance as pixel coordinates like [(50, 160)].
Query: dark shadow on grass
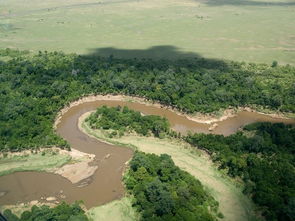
[(155, 53), (166, 54), (247, 3)]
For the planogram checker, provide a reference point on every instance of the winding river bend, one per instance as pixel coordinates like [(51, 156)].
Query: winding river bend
[(106, 184)]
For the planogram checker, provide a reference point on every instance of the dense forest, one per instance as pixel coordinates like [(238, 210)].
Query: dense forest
[(122, 120), (34, 87), (163, 192), (62, 212), (263, 156)]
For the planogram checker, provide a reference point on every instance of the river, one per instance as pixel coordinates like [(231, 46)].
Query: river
[(106, 184)]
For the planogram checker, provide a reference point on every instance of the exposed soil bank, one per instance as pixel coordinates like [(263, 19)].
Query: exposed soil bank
[(229, 121), (80, 170), (198, 117), (232, 203), (73, 165), (105, 184)]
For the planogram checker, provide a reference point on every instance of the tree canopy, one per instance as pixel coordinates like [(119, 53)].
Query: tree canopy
[(62, 212), (34, 87), (162, 191), (123, 119), (263, 156)]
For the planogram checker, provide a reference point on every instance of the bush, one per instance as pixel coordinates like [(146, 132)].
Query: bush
[(61, 212)]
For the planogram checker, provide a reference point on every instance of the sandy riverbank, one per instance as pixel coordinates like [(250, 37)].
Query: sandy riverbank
[(73, 165), (233, 204), (198, 117), (79, 170)]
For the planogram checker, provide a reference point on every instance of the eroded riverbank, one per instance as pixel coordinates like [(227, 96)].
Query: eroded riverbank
[(227, 123), (106, 185), (232, 203), (69, 164)]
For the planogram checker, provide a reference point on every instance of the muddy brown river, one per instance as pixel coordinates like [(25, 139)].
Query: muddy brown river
[(106, 184)]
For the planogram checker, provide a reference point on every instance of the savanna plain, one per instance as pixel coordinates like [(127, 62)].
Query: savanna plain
[(144, 110)]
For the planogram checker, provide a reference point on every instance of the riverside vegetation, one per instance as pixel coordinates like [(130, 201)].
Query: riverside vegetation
[(233, 204), (34, 161), (34, 87), (62, 212), (126, 120), (162, 191), (165, 192), (262, 154)]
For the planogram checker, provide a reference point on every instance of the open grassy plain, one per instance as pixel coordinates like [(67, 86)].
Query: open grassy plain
[(117, 210), (244, 30)]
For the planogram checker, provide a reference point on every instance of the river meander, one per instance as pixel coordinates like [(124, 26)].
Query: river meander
[(106, 184)]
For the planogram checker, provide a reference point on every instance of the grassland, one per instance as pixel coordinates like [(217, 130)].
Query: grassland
[(41, 161), (118, 210), (233, 204), (244, 30)]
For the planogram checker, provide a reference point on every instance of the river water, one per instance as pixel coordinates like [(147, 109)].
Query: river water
[(106, 184)]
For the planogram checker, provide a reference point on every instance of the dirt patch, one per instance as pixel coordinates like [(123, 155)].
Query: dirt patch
[(79, 171)]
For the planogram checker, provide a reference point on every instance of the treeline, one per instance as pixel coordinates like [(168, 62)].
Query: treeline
[(62, 212), (263, 156), (12, 53), (122, 120), (34, 87), (162, 191)]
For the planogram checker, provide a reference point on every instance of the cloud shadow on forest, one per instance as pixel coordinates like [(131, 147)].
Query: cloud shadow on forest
[(169, 53), (155, 53)]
